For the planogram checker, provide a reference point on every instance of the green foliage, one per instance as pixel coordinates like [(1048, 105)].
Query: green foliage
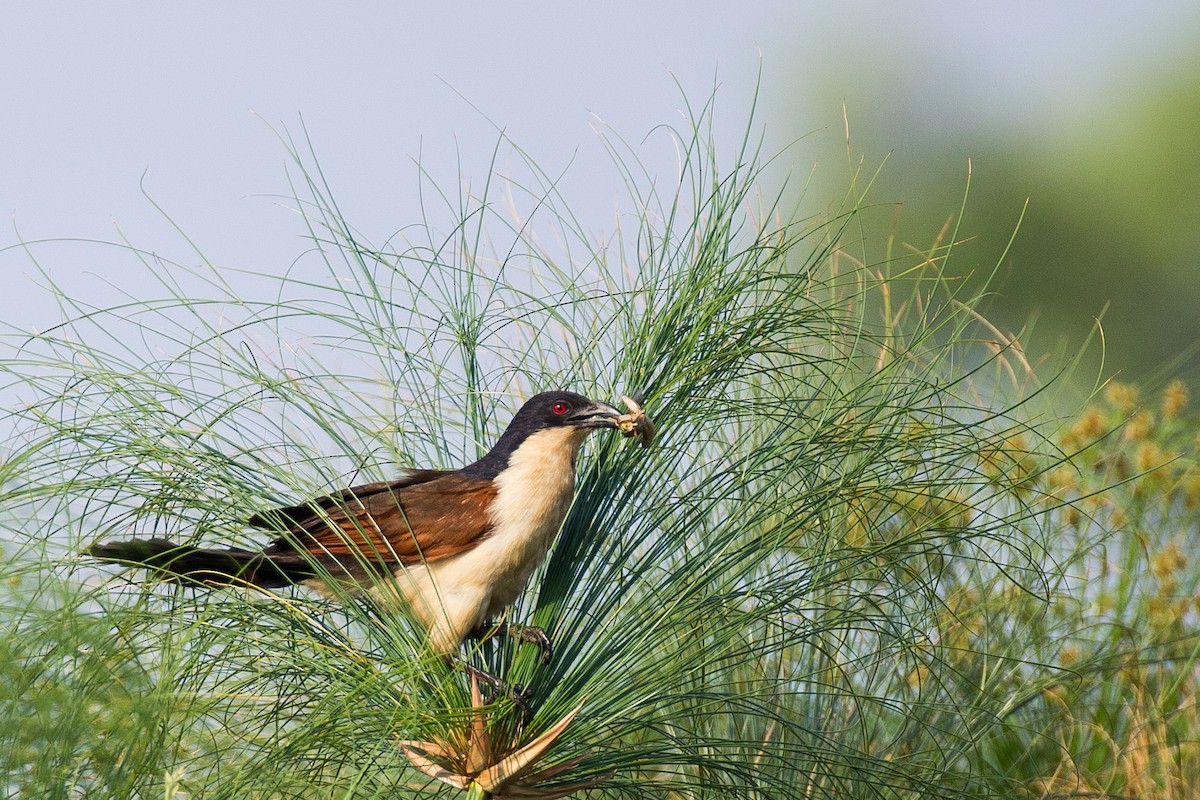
[(1117, 716), (1105, 194), (840, 572)]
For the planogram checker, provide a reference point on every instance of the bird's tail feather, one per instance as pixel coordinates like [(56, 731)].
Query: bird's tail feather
[(214, 567)]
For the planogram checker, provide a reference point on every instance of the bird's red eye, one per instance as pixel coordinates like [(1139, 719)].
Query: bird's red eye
[(559, 408)]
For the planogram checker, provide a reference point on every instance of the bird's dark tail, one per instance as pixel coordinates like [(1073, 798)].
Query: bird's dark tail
[(214, 567)]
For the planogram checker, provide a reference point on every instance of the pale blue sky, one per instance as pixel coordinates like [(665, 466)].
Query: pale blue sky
[(95, 96)]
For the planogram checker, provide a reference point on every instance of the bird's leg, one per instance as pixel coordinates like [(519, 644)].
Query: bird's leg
[(521, 695), (510, 630)]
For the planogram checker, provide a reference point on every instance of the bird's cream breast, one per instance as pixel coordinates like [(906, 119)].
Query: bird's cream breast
[(533, 496), (534, 492)]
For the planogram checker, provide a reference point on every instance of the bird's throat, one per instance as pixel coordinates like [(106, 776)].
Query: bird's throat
[(533, 496)]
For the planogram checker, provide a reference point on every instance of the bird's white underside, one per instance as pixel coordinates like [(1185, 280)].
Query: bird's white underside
[(455, 595)]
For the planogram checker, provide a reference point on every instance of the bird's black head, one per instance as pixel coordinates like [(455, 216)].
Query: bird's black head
[(556, 409), (544, 411)]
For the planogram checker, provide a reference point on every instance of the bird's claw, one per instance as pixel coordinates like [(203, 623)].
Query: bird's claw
[(519, 693), (635, 423), (497, 687), (522, 696), (531, 634)]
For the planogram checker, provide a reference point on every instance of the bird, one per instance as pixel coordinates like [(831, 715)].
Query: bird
[(456, 546)]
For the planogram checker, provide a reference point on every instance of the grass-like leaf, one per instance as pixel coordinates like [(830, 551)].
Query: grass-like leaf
[(768, 602)]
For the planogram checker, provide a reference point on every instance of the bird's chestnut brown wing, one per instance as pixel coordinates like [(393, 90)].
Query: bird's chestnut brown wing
[(431, 517), (294, 516)]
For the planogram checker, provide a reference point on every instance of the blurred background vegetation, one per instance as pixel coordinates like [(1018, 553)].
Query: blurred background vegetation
[(1107, 159)]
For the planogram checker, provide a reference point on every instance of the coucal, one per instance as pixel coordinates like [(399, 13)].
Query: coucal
[(456, 546)]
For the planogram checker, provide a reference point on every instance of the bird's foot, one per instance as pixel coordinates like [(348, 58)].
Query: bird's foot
[(524, 633), (520, 694), (531, 634)]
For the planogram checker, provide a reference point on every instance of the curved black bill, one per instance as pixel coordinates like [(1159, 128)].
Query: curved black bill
[(596, 415)]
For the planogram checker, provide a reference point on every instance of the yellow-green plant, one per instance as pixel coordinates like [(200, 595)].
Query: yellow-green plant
[(1122, 627), (798, 592)]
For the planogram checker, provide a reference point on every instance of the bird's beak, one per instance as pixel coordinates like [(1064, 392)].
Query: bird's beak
[(596, 415)]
